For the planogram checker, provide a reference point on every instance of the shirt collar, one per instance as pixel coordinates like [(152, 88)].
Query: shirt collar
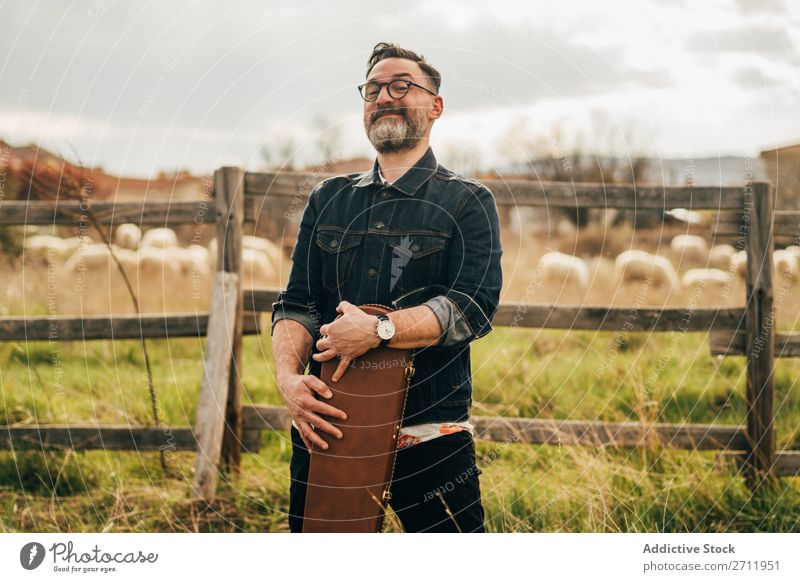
[(409, 182)]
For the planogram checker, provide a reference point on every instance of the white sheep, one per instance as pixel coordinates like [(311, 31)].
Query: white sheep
[(266, 246), (73, 243), (42, 248), (739, 264), (720, 257), (638, 265), (194, 261), (715, 279), (257, 270), (785, 264), (689, 249), (557, 269), (128, 236), (159, 238), (157, 265), (686, 215), (94, 263)]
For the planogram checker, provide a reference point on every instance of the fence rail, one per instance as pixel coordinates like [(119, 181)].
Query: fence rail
[(222, 433), (536, 193)]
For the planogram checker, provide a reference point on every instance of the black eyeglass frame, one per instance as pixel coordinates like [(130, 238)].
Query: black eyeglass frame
[(388, 85)]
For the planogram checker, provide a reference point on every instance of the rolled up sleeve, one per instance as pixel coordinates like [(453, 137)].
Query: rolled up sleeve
[(300, 300), (465, 309)]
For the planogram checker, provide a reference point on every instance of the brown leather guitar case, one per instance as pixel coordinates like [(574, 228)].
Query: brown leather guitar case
[(348, 484)]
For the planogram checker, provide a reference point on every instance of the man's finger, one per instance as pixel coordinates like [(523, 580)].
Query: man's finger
[(302, 435), (341, 368), (311, 435), (328, 409), (318, 386), (324, 356), (322, 424)]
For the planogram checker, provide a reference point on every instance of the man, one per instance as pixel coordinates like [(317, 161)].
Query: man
[(412, 234)]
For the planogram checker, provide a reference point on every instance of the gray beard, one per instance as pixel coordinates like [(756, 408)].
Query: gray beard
[(389, 137)]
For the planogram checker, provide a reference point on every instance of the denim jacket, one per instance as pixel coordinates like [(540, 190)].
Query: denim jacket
[(432, 237)]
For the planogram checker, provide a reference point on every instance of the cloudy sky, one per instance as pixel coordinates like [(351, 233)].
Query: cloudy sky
[(138, 87)]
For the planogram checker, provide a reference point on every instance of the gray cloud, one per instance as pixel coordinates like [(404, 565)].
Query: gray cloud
[(752, 77), (240, 71), (756, 39)]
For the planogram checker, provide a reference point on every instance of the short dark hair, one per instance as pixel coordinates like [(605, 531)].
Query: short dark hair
[(389, 50)]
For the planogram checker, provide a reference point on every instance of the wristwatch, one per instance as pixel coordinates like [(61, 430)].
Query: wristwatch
[(384, 329)]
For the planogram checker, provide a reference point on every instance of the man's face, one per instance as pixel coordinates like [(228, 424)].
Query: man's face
[(396, 125)]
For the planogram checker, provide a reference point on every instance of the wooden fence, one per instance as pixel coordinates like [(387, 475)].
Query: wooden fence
[(221, 433)]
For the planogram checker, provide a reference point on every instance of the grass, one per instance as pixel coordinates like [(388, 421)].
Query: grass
[(516, 373)]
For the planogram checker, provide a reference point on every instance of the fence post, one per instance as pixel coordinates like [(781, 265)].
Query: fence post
[(229, 198), (210, 422), (760, 316)]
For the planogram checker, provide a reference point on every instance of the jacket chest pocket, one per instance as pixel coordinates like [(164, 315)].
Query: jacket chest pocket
[(416, 261), (339, 252)]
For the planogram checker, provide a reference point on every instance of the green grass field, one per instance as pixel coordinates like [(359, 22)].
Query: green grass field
[(517, 372)]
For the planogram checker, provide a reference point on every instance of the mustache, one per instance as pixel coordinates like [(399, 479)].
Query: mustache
[(388, 111)]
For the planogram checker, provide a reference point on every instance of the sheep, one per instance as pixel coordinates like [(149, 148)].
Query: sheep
[(272, 252), (128, 236), (159, 238), (720, 257), (557, 269), (159, 264), (785, 264), (257, 270), (96, 260), (716, 279), (689, 249), (739, 263), (637, 265), (75, 242), (43, 248), (194, 261), (266, 246), (685, 215)]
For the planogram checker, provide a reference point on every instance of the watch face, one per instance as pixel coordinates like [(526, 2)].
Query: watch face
[(385, 329)]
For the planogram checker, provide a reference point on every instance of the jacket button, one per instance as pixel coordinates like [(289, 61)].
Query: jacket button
[(335, 243), (385, 194), (414, 248), (372, 271), (379, 224)]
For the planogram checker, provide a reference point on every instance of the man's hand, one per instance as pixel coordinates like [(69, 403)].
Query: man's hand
[(298, 392), (348, 336)]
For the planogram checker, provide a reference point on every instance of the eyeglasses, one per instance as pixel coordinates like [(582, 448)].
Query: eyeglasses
[(398, 89)]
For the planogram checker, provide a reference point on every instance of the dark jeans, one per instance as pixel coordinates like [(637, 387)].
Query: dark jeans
[(425, 474)]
